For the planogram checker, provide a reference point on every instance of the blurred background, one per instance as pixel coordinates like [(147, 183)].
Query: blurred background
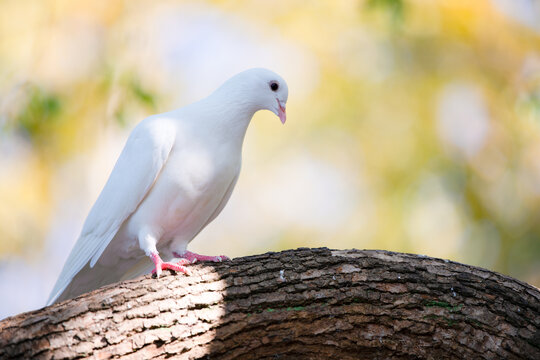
[(413, 125)]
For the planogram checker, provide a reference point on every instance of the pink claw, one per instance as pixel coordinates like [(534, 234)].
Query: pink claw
[(193, 258), (160, 265)]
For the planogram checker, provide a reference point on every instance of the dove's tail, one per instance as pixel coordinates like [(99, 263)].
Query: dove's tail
[(86, 280), (91, 278)]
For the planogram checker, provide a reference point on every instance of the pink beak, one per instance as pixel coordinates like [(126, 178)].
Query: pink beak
[(281, 113)]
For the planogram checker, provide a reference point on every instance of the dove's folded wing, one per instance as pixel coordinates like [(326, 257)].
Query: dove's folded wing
[(137, 168)]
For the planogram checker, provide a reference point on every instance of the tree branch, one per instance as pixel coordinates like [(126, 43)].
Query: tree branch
[(296, 304)]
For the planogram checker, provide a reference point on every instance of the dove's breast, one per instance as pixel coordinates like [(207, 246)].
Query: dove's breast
[(188, 190), (195, 187)]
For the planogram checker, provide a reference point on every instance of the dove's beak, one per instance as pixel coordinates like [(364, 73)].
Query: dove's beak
[(281, 112)]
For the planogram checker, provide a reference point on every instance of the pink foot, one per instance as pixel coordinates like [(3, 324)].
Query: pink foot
[(193, 258), (160, 265)]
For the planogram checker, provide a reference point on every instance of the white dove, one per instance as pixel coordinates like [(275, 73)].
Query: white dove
[(173, 177)]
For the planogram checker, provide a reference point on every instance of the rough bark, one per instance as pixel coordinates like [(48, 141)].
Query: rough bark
[(297, 304)]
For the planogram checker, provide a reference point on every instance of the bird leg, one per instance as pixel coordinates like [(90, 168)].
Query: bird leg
[(193, 258), (161, 265)]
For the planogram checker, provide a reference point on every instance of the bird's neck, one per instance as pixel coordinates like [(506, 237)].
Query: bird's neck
[(227, 116)]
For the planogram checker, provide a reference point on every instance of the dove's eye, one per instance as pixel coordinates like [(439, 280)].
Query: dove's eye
[(274, 86)]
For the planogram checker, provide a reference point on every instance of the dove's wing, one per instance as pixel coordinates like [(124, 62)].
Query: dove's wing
[(138, 166)]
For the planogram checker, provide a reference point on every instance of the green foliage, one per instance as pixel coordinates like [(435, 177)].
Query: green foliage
[(40, 113), (143, 95), (395, 8)]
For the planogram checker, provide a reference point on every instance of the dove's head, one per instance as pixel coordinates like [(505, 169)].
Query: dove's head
[(262, 89)]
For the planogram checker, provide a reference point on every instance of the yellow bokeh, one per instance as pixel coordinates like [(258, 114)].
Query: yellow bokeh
[(412, 125)]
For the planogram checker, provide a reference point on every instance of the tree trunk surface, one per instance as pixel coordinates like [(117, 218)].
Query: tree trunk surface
[(295, 304)]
